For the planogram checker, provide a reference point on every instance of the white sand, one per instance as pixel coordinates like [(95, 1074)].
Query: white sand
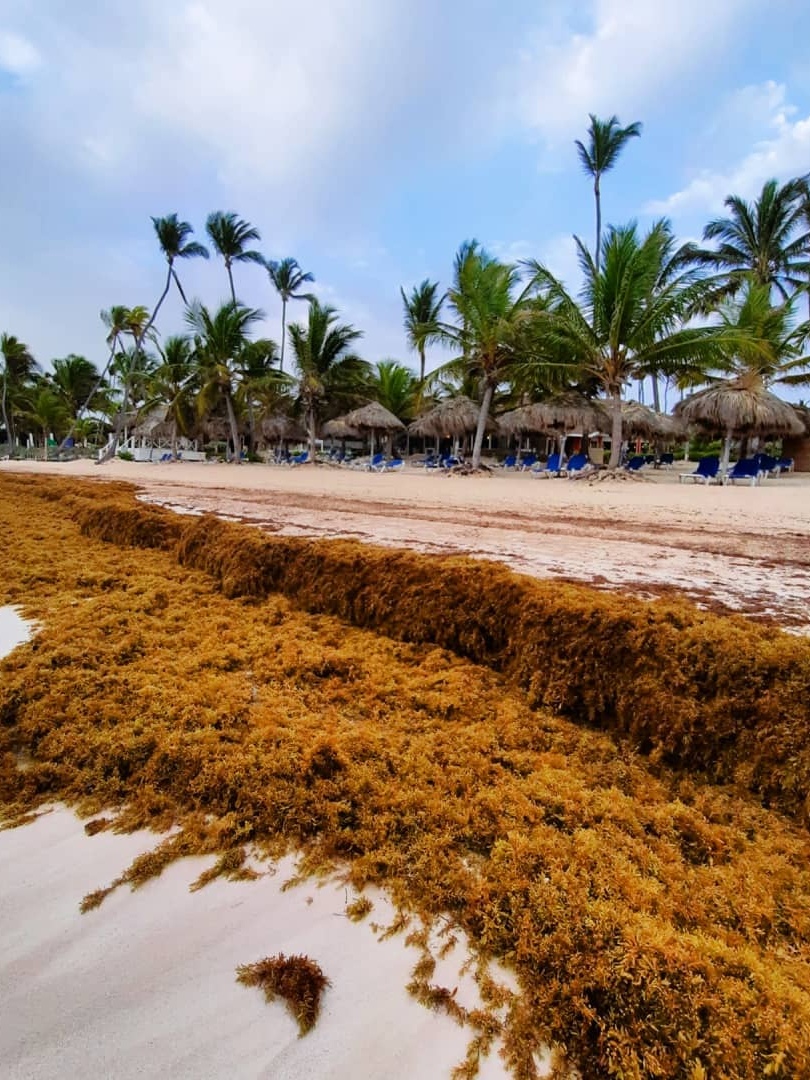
[(14, 630), (145, 986)]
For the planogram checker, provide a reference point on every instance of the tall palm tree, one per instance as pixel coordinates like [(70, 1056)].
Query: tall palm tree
[(396, 387), (287, 278), (136, 323), (766, 239), (328, 372), (492, 314), (606, 140), (174, 243), (19, 366), (777, 349), (220, 338), (632, 316), (230, 234), (422, 316)]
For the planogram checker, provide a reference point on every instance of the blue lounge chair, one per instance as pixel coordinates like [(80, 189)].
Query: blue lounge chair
[(394, 465), (509, 462), (705, 473), (527, 461), (636, 463), (746, 470), (551, 467), (666, 461), (785, 464), (300, 459), (377, 463), (576, 464)]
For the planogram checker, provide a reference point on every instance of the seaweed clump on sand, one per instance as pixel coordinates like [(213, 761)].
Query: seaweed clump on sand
[(657, 922), (297, 980)]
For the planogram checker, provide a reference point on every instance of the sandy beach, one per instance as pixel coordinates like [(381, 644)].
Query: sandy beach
[(732, 548)]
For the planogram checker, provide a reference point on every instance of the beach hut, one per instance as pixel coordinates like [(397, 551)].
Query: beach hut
[(450, 419), (739, 408), (560, 415), (339, 429), (375, 419)]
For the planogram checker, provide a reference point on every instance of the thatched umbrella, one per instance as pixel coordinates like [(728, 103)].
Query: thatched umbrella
[(739, 407), (154, 424), (645, 423), (373, 417), (339, 429), (280, 428), (798, 446), (450, 419), (558, 415)]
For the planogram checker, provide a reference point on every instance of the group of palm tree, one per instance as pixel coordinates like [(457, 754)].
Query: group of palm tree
[(648, 309)]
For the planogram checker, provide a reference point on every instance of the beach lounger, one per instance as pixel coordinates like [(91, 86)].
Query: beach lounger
[(377, 463), (300, 459), (551, 467), (744, 471), (705, 473), (527, 462), (666, 461), (636, 463), (785, 464), (394, 465), (509, 462), (576, 464)]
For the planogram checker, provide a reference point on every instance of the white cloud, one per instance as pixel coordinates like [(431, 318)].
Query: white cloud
[(17, 55), (784, 153), (630, 53)]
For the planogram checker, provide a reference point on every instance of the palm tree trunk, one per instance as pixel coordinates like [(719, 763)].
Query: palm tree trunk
[(421, 363), (483, 416), (598, 197), (283, 331), (616, 431), (311, 432), (237, 457), (230, 278), (6, 424), (148, 327), (726, 454), (174, 437), (656, 392), (179, 286)]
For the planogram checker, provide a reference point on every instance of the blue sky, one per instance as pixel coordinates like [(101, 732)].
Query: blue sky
[(367, 138)]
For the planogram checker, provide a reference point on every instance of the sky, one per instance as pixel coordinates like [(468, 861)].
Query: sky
[(366, 138)]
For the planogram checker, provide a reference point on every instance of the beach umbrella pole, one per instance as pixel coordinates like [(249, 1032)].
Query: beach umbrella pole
[(726, 454)]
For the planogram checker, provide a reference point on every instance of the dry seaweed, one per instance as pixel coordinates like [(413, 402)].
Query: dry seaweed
[(657, 924), (298, 980)]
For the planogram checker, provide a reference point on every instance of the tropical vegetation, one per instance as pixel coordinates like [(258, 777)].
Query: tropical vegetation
[(647, 308)]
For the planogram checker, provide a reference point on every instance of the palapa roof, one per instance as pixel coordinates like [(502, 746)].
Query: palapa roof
[(740, 407), (644, 422), (218, 429), (568, 411), (280, 426), (153, 424), (339, 429), (373, 417), (453, 417)]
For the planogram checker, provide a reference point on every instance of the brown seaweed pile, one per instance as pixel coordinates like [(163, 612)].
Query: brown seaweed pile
[(297, 980), (658, 924)]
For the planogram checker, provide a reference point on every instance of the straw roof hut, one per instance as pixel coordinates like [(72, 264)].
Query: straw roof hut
[(642, 422), (154, 424), (739, 407), (217, 428), (798, 446), (277, 428), (373, 417), (452, 418), (568, 411), (339, 429)]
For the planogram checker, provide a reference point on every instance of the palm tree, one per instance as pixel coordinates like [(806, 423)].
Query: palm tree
[(776, 351), (765, 239), (135, 322), (396, 387), (229, 235), (606, 140), (18, 368), (422, 311), (287, 278), (74, 378), (47, 412), (219, 342), (172, 384), (632, 316), (492, 314), (328, 372), (119, 320), (174, 243)]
